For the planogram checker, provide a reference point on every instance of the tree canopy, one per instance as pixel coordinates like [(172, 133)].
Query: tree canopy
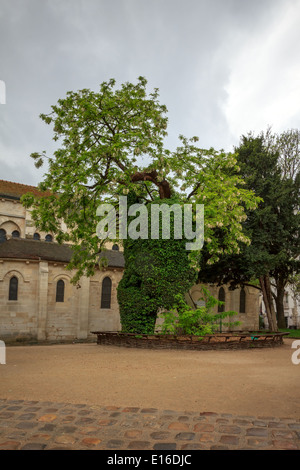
[(269, 165), (111, 143)]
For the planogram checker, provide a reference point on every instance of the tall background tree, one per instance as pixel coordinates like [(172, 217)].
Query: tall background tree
[(269, 165), (111, 144)]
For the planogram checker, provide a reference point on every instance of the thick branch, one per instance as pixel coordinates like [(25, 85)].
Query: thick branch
[(252, 285), (163, 186)]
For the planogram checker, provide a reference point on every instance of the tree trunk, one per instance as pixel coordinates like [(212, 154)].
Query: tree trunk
[(271, 303), (279, 304), (268, 301)]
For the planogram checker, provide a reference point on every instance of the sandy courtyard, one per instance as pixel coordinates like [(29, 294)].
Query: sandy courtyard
[(261, 382)]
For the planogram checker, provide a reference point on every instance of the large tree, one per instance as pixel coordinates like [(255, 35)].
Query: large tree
[(269, 164), (112, 144)]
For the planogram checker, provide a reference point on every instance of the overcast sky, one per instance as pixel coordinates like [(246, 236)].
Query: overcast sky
[(223, 67)]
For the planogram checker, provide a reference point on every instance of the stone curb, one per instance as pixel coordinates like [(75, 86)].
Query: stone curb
[(33, 425)]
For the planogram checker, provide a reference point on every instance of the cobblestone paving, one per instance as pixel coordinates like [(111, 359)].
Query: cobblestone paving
[(32, 425)]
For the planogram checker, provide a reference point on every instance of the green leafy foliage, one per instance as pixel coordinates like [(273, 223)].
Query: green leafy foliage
[(201, 321), (269, 165), (155, 272), (111, 143), (102, 135), (212, 178)]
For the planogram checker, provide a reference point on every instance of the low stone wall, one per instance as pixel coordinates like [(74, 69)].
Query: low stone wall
[(228, 340)]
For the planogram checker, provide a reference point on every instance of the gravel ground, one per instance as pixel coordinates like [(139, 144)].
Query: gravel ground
[(257, 382)]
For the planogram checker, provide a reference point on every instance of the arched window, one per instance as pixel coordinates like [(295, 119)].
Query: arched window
[(60, 291), (36, 236), (15, 234), (2, 235), (48, 238), (106, 293), (115, 247), (13, 288), (242, 301), (221, 298)]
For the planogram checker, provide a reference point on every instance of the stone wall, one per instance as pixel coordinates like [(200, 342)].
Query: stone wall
[(14, 216), (249, 319), (36, 315), (18, 318), (107, 319)]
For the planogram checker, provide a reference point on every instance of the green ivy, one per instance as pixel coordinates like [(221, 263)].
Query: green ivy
[(156, 271)]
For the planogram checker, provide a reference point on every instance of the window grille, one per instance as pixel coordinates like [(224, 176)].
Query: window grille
[(106, 293), (242, 301), (2, 235), (15, 234), (13, 288), (221, 298), (60, 291)]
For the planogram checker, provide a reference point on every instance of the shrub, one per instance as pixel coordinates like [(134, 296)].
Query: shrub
[(184, 320)]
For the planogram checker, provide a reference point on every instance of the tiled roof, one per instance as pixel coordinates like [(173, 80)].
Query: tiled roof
[(114, 258), (18, 248), (16, 190)]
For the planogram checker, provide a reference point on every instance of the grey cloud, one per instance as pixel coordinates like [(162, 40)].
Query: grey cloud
[(183, 48)]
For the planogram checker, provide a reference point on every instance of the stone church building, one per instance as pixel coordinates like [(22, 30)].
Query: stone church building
[(38, 301)]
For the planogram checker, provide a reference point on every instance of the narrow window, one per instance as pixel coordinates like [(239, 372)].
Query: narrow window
[(13, 288), (243, 301), (36, 236), (221, 298), (60, 291), (106, 293), (115, 247), (2, 235), (48, 238), (15, 234)]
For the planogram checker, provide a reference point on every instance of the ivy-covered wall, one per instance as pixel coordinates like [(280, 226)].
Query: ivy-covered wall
[(155, 271)]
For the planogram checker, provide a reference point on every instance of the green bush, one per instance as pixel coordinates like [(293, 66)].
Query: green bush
[(184, 320)]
